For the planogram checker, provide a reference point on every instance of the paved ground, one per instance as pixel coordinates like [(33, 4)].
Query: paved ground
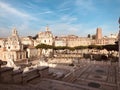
[(101, 76), (89, 76), (105, 76)]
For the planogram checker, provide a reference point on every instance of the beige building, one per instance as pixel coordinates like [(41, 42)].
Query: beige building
[(45, 37), (99, 33), (12, 48), (73, 41), (27, 41), (32, 52), (2, 43), (59, 41), (104, 40)]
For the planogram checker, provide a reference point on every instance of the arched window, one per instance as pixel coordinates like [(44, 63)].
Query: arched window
[(9, 47)]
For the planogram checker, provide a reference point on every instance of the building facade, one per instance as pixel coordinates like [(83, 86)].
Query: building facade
[(99, 40), (27, 41), (45, 37), (99, 33), (12, 48), (73, 41), (60, 41)]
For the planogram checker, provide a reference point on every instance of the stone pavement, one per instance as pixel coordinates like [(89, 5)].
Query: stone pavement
[(97, 76), (89, 75)]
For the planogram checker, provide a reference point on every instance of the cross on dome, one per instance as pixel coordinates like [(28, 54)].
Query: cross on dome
[(14, 31)]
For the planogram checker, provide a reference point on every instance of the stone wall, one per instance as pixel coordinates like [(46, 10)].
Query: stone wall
[(7, 75)]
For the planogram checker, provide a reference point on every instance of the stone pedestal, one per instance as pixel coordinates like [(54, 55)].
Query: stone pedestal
[(43, 71), (30, 75), (6, 75), (2, 63), (17, 77)]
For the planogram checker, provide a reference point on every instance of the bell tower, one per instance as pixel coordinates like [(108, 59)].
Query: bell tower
[(99, 33)]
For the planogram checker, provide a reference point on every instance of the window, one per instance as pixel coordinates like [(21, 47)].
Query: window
[(45, 41), (15, 47), (8, 47)]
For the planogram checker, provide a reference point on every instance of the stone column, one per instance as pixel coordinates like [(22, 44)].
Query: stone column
[(119, 41), (43, 71), (119, 48), (17, 76), (6, 75)]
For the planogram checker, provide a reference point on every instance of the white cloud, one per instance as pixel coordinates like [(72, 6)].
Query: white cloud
[(109, 29), (31, 5), (38, 1), (4, 32), (81, 30), (68, 19), (46, 12), (85, 4), (65, 29), (64, 9), (65, 4), (50, 11), (11, 10), (25, 29)]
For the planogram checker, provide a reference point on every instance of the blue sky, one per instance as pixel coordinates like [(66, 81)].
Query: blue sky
[(78, 17)]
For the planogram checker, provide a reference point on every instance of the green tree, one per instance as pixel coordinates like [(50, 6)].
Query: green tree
[(80, 47), (89, 36), (35, 37), (111, 47), (44, 46)]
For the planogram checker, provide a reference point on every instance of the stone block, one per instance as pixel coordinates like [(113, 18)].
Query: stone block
[(6, 74), (30, 75), (43, 71), (2, 63), (17, 77)]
